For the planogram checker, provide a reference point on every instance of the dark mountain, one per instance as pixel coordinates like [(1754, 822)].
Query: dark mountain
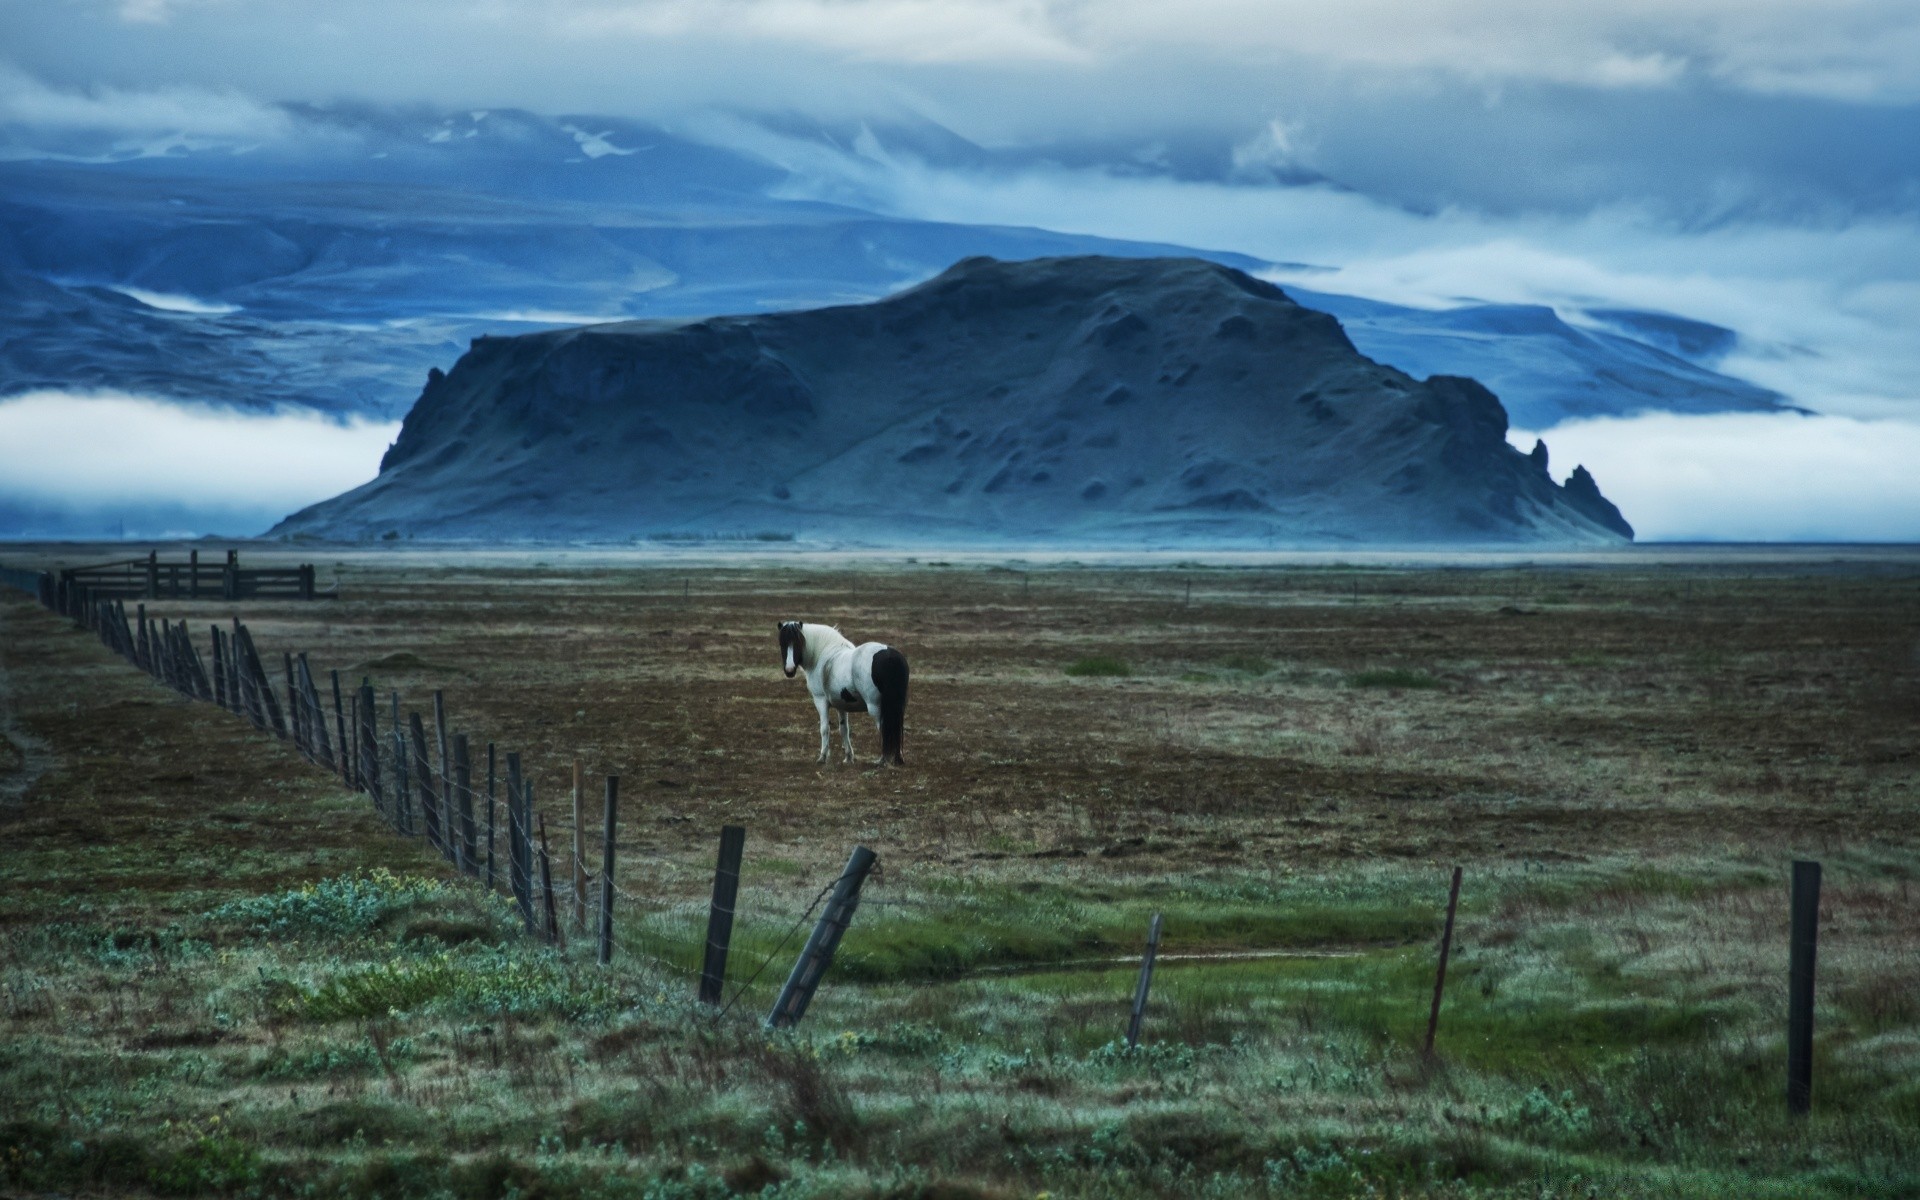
[(329, 267), (1083, 399)]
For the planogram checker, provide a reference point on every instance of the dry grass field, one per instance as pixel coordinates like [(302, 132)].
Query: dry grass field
[(221, 974)]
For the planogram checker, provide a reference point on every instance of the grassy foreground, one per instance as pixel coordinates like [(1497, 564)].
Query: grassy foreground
[(220, 975)]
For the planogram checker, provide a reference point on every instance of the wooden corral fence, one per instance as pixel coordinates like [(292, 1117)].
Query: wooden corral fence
[(425, 786)]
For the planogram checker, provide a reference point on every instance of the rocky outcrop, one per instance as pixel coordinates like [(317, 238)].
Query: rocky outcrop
[(1076, 400)]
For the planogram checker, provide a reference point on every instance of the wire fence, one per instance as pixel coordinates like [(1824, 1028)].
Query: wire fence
[(421, 778)]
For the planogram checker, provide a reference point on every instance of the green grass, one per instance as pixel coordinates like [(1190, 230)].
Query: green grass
[(1392, 677), (1098, 665)]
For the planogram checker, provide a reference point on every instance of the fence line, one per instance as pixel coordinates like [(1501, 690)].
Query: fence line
[(396, 773)]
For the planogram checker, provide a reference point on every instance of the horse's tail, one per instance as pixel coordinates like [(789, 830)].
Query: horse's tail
[(890, 679)]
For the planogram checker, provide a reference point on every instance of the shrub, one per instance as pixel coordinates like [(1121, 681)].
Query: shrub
[(343, 906), (1099, 665)]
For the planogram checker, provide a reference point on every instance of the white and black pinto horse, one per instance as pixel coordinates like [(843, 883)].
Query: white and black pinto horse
[(845, 678)]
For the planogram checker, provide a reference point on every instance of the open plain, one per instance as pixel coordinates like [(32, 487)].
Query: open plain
[(221, 973)]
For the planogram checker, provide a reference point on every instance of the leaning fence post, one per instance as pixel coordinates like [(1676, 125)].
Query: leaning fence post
[(1139, 1013), (818, 954), (606, 871), (726, 890), (1804, 939), (1446, 949)]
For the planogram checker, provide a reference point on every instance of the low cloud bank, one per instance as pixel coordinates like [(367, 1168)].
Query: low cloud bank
[(1749, 476), (94, 460)]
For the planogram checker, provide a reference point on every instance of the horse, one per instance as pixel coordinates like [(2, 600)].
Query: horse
[(845, 678)]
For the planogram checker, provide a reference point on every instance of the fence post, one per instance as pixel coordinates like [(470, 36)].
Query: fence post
[(490, 804), (1804, 939), (340, 720), (1446, 949), (230, 583), (370, 746), (296, 711), (219, 659), (1139, 1013), (606, 871), (234, 702), (579, 871), (306, 581), (153, 574), (402, 778), (318, 713), (448, 834), (726, 890), (818, 954), (356, 781), (430, 817), (546, 885), (463, 787), (518, 882), (193, 574)]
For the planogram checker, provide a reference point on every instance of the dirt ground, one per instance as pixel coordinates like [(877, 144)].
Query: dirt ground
[(1102, 727)]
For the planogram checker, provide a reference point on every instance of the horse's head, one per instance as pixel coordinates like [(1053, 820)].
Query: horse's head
[(793, 647)]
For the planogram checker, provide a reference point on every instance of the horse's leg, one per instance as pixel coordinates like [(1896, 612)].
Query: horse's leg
[(879, 738), (846, 735), (826, 728)]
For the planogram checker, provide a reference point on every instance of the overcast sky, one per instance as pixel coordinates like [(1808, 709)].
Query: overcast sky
[(1755, 163)]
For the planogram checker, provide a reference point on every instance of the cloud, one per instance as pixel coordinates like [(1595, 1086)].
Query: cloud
[(192, 111), (1825, 311), (85, 451), (1750, 477)]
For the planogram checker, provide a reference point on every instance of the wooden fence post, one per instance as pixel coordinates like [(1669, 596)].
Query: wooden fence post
[(546, 885), (1139, 1013), (340, 720), (357, 781), (1804, 939), (814, 960), (153, 574), (370, 747), (579, 871), (219, 659), (429, 801), (606, 871), (726, 891), (321, 742), (402, 778), (463, 787), (296, 711), (446, 778), (490, 807), (1440, 976), (234, 701), (519, 880)]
